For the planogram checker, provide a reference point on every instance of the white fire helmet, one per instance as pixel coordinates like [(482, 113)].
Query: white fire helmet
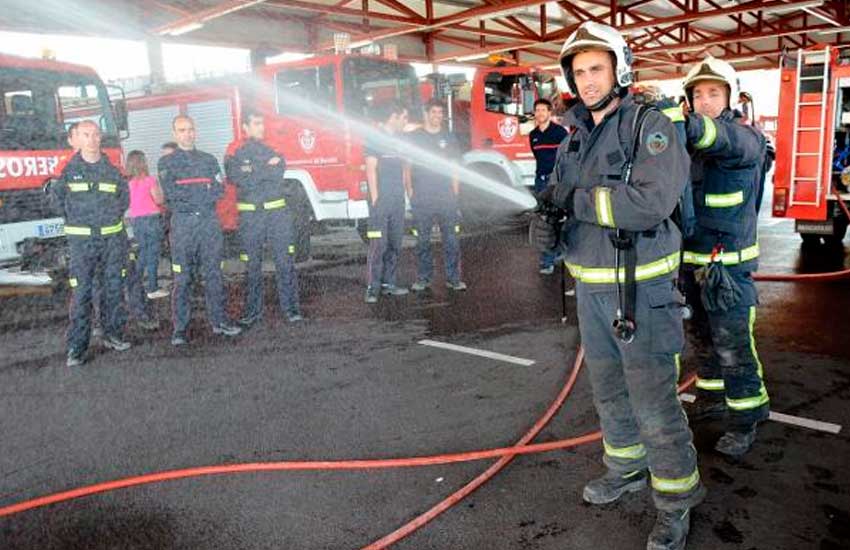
[(714, 70), (595, 36)]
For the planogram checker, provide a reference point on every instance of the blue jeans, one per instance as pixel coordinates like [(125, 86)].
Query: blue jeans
[(147, 230), (547, 259)]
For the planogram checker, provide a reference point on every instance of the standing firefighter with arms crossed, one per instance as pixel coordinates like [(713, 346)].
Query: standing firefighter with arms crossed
[(726, 170), (265, 218), (617, 179)]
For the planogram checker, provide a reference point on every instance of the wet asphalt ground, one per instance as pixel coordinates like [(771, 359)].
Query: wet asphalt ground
[(353, 382)]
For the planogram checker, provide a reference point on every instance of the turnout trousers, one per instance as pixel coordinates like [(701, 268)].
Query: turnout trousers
[(93, 257), (634, 390), (446, 217), (385, 233), (274, 229), (733, 371), (196, 249)]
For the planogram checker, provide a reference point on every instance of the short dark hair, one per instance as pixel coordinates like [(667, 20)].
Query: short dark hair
[(385, 110), (169, 145), (434, 103), (250, 111), (543, 101)]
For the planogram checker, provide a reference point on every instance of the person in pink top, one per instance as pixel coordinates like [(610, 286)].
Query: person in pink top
[(146, 220)]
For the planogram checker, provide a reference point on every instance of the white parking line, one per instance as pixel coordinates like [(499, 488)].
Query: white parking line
[(479, 352), (827, 427)]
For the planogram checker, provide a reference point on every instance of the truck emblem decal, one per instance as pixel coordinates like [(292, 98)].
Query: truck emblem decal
[(508, 128), (307, 139)]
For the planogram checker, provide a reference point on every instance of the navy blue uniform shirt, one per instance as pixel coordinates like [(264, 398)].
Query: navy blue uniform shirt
[(544, 145), (190, 180), (390, 167), (256, 180), (433, 186), (91, 194)]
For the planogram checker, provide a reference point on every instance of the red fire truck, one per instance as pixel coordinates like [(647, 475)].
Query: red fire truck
[(324, 155), (39, 99), (813, 143)]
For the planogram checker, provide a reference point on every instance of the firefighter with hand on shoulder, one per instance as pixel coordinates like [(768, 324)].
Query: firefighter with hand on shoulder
[(617, 179), (265, 218), (191, 182), (92, 196), (727, 162)]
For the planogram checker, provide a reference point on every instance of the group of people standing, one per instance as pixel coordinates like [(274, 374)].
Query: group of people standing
[(93, 196)]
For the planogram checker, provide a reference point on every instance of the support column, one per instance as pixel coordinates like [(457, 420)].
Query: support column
[(155, 60)]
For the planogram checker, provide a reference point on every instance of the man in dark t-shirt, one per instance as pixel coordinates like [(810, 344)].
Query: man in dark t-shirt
[(433, 198), (385, 174), (544, 141)]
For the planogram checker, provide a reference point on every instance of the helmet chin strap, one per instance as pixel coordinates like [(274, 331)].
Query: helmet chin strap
[(616, 91)]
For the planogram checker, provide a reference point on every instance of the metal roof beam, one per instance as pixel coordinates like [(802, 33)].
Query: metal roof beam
[(196, 20)]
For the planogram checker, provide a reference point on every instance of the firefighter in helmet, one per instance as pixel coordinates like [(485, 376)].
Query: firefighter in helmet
[(727, 158), (617, 179)]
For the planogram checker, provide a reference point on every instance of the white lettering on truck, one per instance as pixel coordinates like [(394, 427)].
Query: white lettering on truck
[(16, 167)]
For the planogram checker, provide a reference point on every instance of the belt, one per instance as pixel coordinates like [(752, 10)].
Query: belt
[(84, 231), (726, 257), (268, 205)]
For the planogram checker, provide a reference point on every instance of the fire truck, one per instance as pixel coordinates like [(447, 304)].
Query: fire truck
[(39, 100), (309, 108), (813, 143), (492, 115)]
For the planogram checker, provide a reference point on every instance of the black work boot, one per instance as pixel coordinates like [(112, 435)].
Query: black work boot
[(670, 531), (612, 486), (706, 408), (737, 442)]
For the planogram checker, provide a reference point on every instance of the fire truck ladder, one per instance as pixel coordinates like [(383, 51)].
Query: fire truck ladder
[(818, 64)]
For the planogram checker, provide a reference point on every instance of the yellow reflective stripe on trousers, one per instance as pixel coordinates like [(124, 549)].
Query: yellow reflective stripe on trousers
[(243, 257), (457, 229), (675, 114), (291, 249), (414, 232), (176, 268), (107, 187), (374, 234), (726, 257), (748, 403), (272, 205), (679, 485), (677, 358), (112, 229), (77, 187), (606, 275), (709, 133), (77, 230), (604, 210), (72, 282), (123, 273), (724, 200), (710, 384), (245, 207), (631, 452)]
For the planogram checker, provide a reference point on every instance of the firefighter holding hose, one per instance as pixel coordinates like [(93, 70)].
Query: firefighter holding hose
[(616, 182)]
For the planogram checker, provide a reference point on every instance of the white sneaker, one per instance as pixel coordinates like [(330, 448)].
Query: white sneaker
[(157, 294)]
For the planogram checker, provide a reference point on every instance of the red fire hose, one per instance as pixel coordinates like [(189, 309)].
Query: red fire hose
[(504, 454)]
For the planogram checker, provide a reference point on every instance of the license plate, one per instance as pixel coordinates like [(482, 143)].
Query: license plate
[(47, 230)]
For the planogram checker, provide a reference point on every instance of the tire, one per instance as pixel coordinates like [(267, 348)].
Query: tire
[(303, 222), (480, 208)]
